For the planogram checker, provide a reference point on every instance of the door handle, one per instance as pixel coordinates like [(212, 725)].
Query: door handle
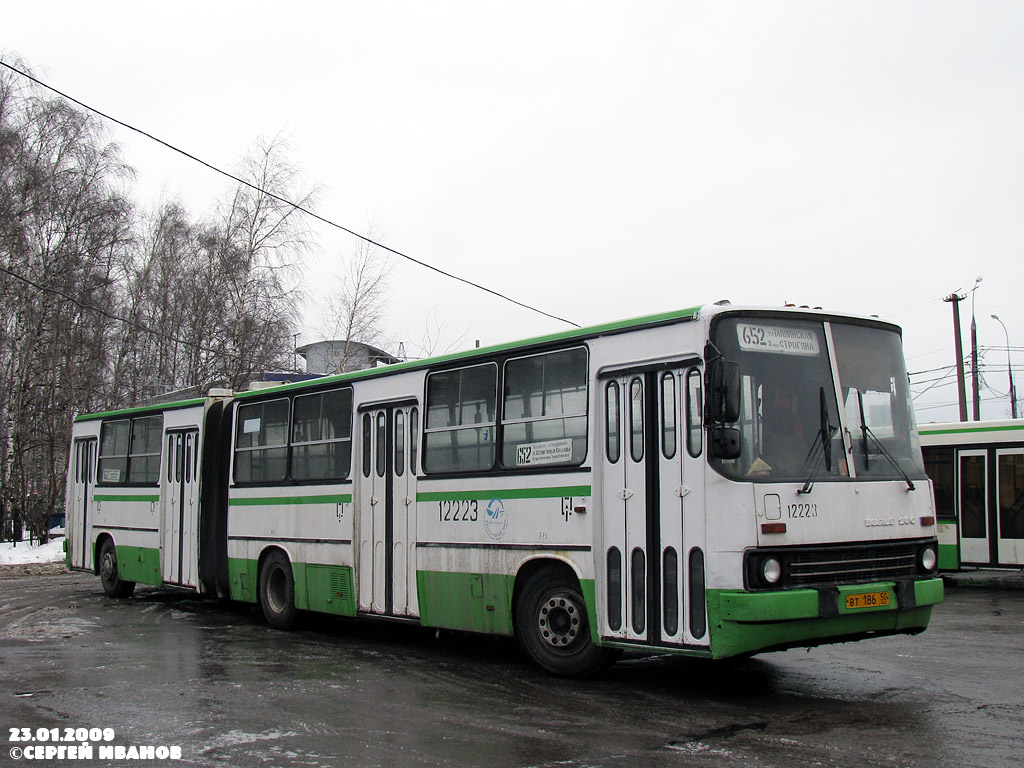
[(624, 494)]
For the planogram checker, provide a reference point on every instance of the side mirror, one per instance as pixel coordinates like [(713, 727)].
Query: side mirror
[(725, 442), (724, 392)]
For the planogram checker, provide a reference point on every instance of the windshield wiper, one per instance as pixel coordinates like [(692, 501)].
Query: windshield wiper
[(863, 429), (866, 430), (822, 445)]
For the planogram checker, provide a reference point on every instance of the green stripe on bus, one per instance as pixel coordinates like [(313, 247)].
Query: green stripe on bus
[(505, 493), (126, 497), (271, 501), (970, 430), (161, 408)]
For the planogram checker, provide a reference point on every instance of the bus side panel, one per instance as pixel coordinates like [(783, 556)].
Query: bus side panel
[(474, 602), (130, 517), (139, 564), (311, 524), (475, 535), (949, 550)]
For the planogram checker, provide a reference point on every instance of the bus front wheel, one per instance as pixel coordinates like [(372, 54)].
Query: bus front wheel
[(110, 578), (553, 628), (277, 590)]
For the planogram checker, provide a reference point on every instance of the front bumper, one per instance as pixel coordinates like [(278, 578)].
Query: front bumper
[(750, 622)]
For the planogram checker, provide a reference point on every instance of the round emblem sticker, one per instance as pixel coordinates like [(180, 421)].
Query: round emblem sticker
[(496, 519)]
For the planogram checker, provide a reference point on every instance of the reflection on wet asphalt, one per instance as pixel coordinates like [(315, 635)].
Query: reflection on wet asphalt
[(167, 668)]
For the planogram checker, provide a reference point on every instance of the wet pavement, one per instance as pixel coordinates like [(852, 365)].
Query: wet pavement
[(167, 669)]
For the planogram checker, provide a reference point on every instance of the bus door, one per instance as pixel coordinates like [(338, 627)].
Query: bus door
[(1010, 479), (386, 514), (973, 497), (652, 498), (78, 521), (180, 514)]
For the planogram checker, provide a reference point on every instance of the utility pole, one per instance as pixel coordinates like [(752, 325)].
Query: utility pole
[(975, 378), (955, 300)]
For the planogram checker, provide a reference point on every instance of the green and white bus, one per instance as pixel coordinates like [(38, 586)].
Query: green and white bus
[(714, 481), (977, 468)]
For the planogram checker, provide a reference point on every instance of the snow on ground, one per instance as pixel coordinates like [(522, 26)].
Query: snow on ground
[(51, 552)]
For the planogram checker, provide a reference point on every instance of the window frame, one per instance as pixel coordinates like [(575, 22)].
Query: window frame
[(427, 431), (239, 423), (563, 417), (151, 482), (293, 443)]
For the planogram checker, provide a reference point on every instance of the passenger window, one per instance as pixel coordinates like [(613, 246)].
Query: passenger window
[(694, 414), (367, 444), (382, 443), (322, 436), (613, 440), (414, 439), (261, 442), (114, 451), (130, 451), (544, 415), (399, 443), (144, 452), (668, 415), (460, 420), (636, 419)]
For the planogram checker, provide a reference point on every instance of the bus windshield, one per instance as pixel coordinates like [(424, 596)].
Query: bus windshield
[(797, 422)]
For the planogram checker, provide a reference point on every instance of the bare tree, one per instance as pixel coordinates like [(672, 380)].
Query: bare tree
[(430, 342), (356, 309), (99, 310), (259, 239), (63, 222)]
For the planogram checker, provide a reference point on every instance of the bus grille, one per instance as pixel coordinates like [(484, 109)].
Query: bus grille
[(832, 565), (851, 565)]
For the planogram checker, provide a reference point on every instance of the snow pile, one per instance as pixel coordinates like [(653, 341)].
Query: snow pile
[(51, 552)]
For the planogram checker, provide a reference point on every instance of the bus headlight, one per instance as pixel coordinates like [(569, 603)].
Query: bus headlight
[(928, 559), (771, 570)]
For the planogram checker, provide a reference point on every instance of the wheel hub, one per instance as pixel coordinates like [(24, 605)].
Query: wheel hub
[(277, 584), (108, 567), (559, 621)]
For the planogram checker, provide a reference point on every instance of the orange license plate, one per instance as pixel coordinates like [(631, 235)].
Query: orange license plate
[(868, 600)]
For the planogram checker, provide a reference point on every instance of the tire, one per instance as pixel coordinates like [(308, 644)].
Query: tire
[(553, 629), (110, 578), (277, 590)]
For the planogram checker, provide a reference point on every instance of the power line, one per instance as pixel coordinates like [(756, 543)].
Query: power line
[(299, 208)]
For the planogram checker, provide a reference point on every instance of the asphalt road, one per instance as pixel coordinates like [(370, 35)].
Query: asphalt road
[(164, 669)]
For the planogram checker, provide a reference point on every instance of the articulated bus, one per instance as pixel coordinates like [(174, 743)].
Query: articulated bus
[(977, 468), (716, 481)]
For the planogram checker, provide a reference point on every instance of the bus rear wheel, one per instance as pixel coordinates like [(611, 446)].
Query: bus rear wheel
[(277, 590), (110, 578), (553, 628)]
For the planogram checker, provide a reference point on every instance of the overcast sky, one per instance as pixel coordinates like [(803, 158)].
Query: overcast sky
[(600, 160)]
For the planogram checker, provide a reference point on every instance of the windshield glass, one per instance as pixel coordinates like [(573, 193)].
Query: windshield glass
[(877, 407), (792, 426)]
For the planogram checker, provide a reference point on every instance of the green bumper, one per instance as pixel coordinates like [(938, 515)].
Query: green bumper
[(745, 622)]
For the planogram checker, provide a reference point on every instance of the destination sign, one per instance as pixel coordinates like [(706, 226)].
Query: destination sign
[(778, 339)]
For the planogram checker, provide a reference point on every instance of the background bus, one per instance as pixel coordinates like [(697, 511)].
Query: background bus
[(978, 472), (714, 481)]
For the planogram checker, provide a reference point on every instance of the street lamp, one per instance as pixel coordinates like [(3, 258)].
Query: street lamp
[(974, 356), (1009, 367)]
